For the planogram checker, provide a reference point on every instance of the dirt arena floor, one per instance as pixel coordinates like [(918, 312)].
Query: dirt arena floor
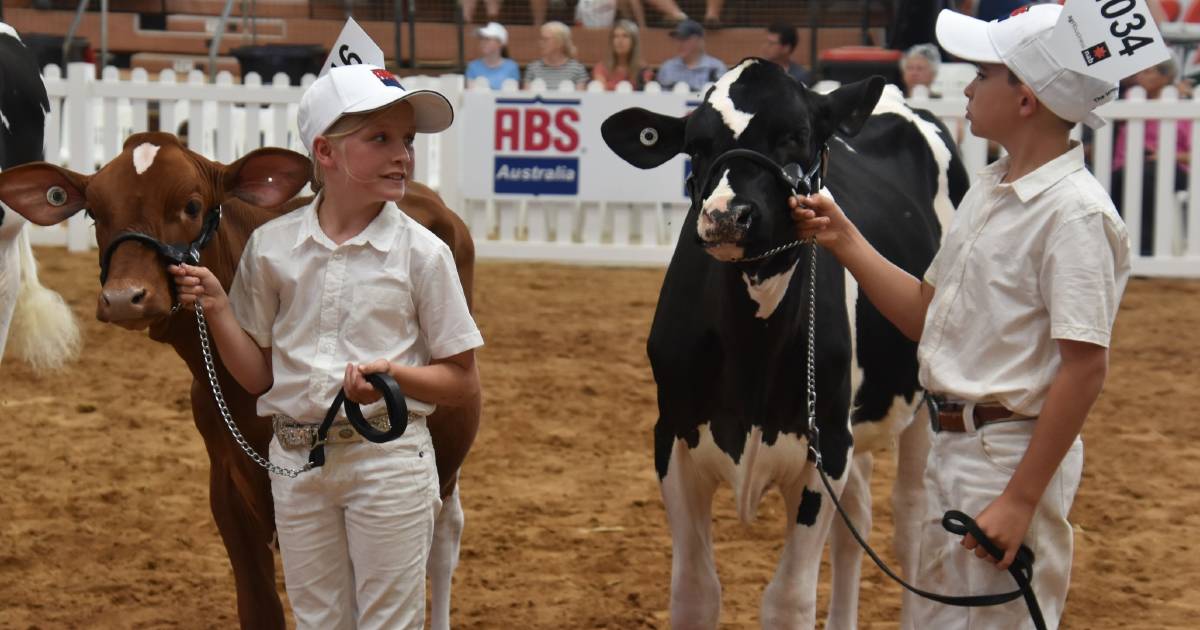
[(104, 519)]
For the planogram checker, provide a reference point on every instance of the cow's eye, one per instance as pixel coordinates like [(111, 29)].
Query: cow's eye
[(193, 208)]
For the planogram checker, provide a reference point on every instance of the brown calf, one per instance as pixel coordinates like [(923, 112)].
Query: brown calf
[(158, 187)]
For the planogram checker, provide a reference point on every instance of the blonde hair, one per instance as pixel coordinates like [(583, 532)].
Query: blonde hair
[(346, 125), (635, 51), (563, 33)]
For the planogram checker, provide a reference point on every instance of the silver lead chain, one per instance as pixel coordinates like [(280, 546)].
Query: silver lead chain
[(813, 432), (771, 252), (211, 370)]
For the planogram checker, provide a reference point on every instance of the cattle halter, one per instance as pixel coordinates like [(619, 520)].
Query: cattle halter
[(173, 253), (795, 178)]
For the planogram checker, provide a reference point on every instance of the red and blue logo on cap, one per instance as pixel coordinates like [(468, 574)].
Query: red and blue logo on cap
[(387, 78)]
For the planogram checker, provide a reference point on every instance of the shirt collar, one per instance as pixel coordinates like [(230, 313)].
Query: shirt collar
[(379, 233), (1042, 178)]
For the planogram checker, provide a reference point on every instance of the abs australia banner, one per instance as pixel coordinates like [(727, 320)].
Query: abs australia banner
[(549, 145)]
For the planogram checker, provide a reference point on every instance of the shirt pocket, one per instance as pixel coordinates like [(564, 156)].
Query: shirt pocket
[(381, 322)]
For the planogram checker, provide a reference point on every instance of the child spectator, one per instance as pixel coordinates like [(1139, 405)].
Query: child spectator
[(493, 62)]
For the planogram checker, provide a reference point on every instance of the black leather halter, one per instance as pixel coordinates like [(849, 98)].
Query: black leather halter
[(791, 175), (172, 253)]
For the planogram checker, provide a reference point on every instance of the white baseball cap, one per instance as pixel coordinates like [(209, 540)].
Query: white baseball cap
[(362, 88), (1021, 42), (494, 30)]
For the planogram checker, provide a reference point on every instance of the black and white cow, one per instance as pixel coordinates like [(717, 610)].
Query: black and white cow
[(729, 339), (44, 331)]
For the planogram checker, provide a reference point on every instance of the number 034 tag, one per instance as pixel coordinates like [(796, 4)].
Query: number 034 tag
[(1107, 39)]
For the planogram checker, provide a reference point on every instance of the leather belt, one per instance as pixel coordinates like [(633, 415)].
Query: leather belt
[(949, 415), (293, 434)]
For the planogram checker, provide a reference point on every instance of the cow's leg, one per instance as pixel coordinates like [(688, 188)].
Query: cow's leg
[(453, 430), (908, 499), (443, 559), (242, 506), (695, 589), (845, 555), (248, 534), (790, 600)]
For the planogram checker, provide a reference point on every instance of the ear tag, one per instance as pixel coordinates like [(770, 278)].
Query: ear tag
[(649, 137), (56, 196)]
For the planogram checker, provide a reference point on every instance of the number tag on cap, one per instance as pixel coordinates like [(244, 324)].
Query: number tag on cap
[(353, 46), (1107, 39)]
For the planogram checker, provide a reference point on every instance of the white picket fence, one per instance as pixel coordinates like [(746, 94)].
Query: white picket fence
[(612, 232)]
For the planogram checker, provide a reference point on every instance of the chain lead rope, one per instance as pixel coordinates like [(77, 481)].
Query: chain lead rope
[(211, 370), (811, 377)]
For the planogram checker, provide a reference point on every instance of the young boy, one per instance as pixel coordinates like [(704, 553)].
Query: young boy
[(347, 286), (1013, 321)]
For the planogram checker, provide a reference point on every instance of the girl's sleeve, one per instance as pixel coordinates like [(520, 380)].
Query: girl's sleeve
[(442, 313), (252, 297)]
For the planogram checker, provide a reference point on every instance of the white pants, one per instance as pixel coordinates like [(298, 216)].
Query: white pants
[(355, 534), (966, 472)]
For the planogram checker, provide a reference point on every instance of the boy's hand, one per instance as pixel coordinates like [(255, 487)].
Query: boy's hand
[(1005, 522), (818, 215), (358, 389), (198, 283)]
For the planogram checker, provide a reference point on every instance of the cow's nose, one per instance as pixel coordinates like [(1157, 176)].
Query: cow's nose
[(742, 213), (121, 304)]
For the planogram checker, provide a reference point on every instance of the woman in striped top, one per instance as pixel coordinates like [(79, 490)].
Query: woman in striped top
[(558, 61)]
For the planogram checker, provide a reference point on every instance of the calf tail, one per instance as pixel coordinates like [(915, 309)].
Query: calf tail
[(44, 332)]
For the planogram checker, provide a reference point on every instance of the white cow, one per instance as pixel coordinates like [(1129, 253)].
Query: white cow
[(44, 332)]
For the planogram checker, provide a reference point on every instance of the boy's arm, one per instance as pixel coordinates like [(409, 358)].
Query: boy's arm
[(901, 298), (1072, 393), (452, 381)]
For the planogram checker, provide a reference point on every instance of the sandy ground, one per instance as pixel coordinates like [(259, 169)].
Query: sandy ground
[(104, 519)]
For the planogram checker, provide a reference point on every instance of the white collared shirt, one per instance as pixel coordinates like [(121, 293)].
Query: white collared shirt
[(391, 292), (1022, 265)]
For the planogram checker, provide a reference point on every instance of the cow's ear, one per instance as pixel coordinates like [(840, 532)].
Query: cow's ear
[(267, 177), (43, 193), (849, 106), (643, 138)]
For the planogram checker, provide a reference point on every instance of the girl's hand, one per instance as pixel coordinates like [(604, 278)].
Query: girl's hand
[(817, 215), (194, 284), (358, 389)]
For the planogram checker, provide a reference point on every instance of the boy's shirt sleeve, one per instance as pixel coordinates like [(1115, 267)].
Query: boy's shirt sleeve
[(1082, 277), (442, 313), (251, 297)]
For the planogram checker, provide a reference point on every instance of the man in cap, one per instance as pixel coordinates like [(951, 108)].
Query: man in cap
[(692, 66), (1013, 318)]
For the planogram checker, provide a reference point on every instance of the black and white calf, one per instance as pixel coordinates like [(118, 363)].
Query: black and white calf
[(44, 331), (729, 339)]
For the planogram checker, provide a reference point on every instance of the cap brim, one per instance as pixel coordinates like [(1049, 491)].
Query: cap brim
[(1093, 121), (966, 37), (431, 111)]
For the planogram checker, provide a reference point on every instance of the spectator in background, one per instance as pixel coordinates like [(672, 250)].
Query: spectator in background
[(778, 47), (919, 66), (1153, 80), (692, 66), (558, 61), (624, 61), (491, 6), (493, 62), (591, 13)]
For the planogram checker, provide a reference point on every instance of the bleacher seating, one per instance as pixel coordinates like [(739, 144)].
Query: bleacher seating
[(155, 33)]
